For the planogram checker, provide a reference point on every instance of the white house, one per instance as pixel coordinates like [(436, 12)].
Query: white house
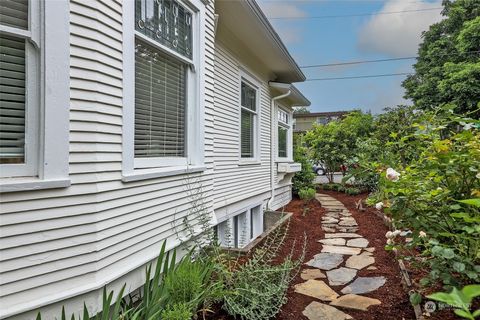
[(112, 112)]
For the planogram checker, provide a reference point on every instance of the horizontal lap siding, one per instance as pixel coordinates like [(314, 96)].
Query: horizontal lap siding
[(63, 242), (234, 182)]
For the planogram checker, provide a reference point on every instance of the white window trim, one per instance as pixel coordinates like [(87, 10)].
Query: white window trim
[(254, 83), (49, 150), (134, 169), (289, 126)]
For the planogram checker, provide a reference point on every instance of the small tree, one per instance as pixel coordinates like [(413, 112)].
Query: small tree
[(336, 142)]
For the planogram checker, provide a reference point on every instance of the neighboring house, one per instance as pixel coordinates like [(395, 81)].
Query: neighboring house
[(111, 114), (304, 121)]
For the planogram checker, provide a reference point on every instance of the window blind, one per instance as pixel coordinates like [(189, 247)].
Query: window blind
[(12, 99), (282, 142), (160, 104), (247, 121), (14, 13)]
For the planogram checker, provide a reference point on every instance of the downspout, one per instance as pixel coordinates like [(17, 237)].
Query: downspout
[(272, 147)]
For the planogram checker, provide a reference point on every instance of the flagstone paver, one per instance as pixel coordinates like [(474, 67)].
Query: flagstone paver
[(360, 261), (354, 301), (343, 235), (308, 274), (364, 285), (321, 311), (341, 249), (341, 244), (334, 241), (358, 242), (340, 276), (317, 289), (326, 261)]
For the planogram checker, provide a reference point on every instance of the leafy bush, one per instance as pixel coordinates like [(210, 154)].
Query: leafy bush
[(180, 311), (304, 178), (431, 198), (258, 287), (461, 300), (353, 191), (173, 291), (307, 194)]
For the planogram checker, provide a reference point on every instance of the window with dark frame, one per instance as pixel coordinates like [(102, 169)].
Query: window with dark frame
[(248, 120)]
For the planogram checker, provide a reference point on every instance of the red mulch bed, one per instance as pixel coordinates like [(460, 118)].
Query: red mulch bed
[(395, 302)]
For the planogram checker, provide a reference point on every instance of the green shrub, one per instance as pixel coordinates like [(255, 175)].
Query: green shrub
[(307, 194), (432, 196), (257, 289), (353, 191), (304, 178), (179, 311)]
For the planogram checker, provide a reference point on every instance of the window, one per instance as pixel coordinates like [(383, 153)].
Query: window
[(239, 230), (18, 106), (283, 133), (162, 110), (34, 94), (159, 104), (248, 120)]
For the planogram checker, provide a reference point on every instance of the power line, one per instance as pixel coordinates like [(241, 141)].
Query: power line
[(356, 62), (355, 15), (364, 76), (384, 60)]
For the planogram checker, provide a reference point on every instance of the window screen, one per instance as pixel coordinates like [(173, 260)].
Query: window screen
[(160, 106)]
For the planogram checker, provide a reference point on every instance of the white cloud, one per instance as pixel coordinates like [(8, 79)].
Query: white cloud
[(398, 34), (289, 33), (272, 10)]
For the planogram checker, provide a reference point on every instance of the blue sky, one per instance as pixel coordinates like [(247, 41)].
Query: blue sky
[(324, 41)]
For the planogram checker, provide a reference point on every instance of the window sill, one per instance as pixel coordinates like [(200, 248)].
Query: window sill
[(249, 163), (284, 160), (30, 184), (144, 174)]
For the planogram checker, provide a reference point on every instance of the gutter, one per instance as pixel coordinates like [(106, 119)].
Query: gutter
[(272, 135)]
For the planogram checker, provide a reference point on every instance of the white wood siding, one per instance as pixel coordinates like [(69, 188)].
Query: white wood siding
[(234, 182), (61, 243)]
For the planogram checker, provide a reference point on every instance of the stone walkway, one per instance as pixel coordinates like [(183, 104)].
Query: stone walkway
[(344, 252)]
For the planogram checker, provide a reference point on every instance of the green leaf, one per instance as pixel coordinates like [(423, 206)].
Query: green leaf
[(448, 253), (442, 297), (415, 298), (39, 316), (458, 266), (471, 291), (463, 314), (473, 202), (86, 316), (476, 313)]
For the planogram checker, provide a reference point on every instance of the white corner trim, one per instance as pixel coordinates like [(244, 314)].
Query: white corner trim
[(56, 91)]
